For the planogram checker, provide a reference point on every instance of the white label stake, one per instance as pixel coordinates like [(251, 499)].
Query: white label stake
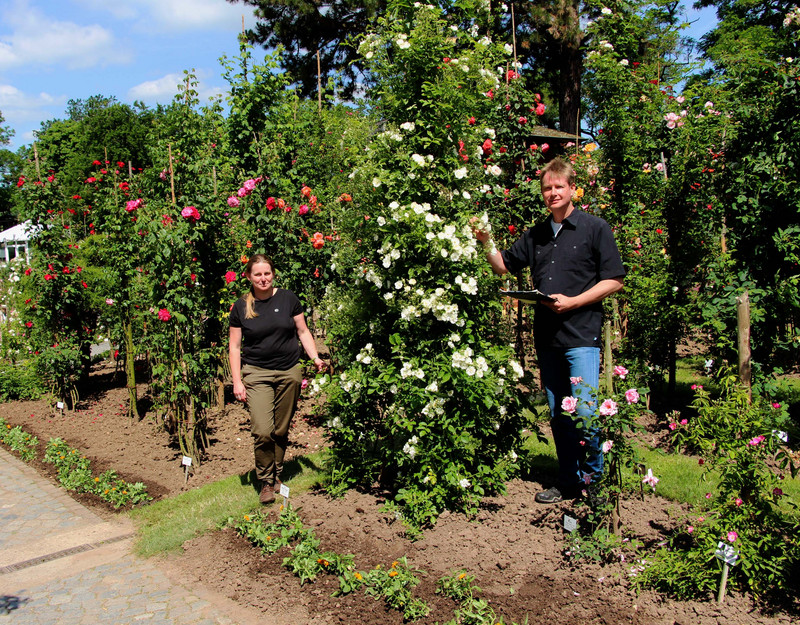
[(570, 523), (284, 492), (186, 461), (729, 557)]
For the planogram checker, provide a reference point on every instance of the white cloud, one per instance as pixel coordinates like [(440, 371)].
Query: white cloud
[(37, 40), (19, 106), (179, 15), (165, 88), (162, 89)]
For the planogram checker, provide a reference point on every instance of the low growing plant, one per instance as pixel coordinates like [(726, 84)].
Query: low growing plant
[(74, 473), (18, 440)]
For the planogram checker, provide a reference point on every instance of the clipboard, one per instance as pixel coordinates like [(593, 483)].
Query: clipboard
[(528, 297)]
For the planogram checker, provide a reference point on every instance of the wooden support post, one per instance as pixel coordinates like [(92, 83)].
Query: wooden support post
[(743, 334), (36, 159), (514, 36), (214, 177), (130, 170), (171, 174), (319, 82)]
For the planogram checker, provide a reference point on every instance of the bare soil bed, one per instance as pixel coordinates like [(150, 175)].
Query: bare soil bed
[(514, 547)]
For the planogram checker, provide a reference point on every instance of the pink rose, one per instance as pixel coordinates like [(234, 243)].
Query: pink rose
[(738, 502), (620, 371), (243, 192), (302, 209), (249, 185), (233, 201), (270, 203), (607, 446), (755, 441), (690, 529), (304, 383), (575, 380), (608, 408), (569, 404), (190, 213), (732, 536), (132, 205), (164, 315), (673, 425), (230, 276), (540, 108), (544, 147), (632, 396)]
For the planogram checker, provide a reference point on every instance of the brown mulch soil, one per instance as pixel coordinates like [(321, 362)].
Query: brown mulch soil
[(514, 547)]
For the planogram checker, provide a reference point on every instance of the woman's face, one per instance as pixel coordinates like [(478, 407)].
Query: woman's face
[(261, 276)]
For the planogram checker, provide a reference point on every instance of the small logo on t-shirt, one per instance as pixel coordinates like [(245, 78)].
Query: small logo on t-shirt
[(277, 310)]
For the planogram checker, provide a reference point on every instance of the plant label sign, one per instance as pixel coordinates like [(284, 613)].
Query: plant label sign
[(60, 405), (726, 553), (781, 436), (284, 492), (186, 461), (570, 523)]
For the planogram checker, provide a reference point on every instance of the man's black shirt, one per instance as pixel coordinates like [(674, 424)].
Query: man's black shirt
[(581, 255)]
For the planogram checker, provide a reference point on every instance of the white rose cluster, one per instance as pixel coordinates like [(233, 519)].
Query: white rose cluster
[(317, 384), (348, 385), (365, 355), (516, 369), (468, 284), (462, 359), (402, 41), (410, 448), (408, 371)]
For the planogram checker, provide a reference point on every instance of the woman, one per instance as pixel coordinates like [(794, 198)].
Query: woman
[(265, 326)]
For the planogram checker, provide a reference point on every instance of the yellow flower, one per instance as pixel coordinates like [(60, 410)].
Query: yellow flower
[(590, 147), (246, 517), (579, 192), (394, 564), (462, 576), (106, 492), (392, 573), (97, 479), (358, 576)]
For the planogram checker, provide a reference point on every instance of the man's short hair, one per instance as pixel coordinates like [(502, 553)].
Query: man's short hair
[(560, 168)]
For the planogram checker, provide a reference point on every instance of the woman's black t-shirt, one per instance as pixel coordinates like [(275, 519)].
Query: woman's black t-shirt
[(269, 340)]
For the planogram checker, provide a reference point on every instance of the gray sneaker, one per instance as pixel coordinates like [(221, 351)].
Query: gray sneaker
[(551, 495)]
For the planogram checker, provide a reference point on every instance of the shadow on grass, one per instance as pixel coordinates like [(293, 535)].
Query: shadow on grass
[(301, 465)]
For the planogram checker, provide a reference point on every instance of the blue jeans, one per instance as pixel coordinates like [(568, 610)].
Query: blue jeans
[(577, 438)]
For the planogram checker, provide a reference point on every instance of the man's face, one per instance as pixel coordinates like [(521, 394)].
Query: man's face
[(557, 192)]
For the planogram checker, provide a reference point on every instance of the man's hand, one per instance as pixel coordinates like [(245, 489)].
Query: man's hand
[(562, 303), (481, 234)]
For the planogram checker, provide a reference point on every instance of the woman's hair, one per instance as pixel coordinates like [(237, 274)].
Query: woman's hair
[(559, 168), (249, 298)]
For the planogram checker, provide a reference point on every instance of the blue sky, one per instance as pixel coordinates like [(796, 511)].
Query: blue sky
[(52, 51)]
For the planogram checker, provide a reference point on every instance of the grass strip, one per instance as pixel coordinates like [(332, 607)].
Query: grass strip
[(165, 525)]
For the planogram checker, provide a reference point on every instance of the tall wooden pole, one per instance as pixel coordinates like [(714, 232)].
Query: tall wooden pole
[(319, 82), (743, 334), (171, 174), (36, 159)]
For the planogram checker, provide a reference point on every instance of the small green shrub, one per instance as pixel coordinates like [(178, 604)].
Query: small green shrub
[(20, 382)]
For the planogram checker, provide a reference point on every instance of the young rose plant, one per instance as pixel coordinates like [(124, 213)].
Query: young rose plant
[(744, 444)]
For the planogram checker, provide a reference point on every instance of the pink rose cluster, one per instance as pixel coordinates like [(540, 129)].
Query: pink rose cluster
[(230, 276), (164, 315), (190, 213), (246, 189), (132, 205), (620, 371)]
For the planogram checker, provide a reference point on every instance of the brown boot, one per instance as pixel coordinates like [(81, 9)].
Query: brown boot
[(267, 494)]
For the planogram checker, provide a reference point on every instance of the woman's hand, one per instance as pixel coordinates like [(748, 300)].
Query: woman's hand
[(320, 364), (239, 391)]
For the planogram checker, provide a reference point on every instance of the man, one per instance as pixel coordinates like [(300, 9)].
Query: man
[(573, 258)]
